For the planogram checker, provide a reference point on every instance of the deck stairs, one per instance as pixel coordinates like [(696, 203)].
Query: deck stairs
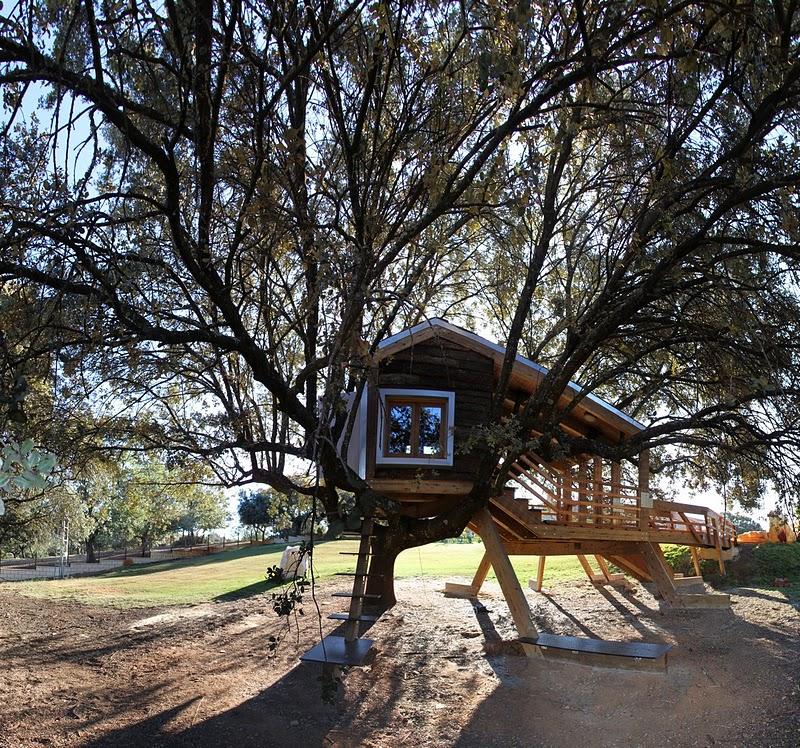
[(348, 649), (559, 505)]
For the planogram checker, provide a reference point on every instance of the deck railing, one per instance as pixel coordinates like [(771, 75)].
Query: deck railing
[(588, 499)]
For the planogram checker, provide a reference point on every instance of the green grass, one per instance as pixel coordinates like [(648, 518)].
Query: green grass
[(239, 573)]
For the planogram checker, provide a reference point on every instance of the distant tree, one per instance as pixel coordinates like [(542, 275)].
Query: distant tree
[(203, 508), (744, 523), (255, 512)]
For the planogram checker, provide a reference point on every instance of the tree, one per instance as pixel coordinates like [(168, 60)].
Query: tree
[(288, 513), (239, 201), (743, 523), (255, 511)]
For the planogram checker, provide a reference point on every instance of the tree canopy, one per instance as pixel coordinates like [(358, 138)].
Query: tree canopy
[(218, 210)]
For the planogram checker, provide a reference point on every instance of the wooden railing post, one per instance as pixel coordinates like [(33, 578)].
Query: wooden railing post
[(616, 490), (582, 484), (645, 499), (598, 500)]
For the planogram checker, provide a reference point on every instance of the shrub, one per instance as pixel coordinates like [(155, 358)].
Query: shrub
[(679, 557), (778, 559)]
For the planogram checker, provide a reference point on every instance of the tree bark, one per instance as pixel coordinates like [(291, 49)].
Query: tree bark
[(381, 570), (91, 551)]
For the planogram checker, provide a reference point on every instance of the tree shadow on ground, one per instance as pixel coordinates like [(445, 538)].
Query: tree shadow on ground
[(247, 591)]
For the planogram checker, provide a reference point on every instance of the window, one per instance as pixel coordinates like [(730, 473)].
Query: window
[(415, 427)]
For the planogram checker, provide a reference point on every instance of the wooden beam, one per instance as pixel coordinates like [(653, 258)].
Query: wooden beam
[(539, 575), (718, 545), (506, 576), (645, 499), (435, 487), (601, 562), (481, 572), (696, 561)]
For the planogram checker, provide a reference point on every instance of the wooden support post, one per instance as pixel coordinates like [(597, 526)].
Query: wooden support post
[(616, 490), (582, 486), (537, 585), (597, 490), (696, 561), (480, 573), (718, 545), (601, 562), (586, 566), (506, 576), (645, 499)]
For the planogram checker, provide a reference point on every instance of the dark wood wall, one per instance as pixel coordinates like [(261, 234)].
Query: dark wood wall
[(439, 365)]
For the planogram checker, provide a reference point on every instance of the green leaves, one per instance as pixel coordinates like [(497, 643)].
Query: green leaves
[(24, 467)]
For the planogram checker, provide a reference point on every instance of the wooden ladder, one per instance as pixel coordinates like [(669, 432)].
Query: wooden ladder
[(349, 649)]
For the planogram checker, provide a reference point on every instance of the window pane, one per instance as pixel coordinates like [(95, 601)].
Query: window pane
[(400, 429), (430, 430)]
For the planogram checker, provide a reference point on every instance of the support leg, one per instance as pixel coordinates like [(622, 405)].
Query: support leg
[(509, 584), (695, 560), (586, 567), (480, 573), (470, 590), (537, 585)]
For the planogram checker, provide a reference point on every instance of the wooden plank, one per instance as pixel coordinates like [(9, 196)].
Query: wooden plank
[(586, 567), (574, 650), (539, 547), (435, 487), (481, 572), (536, 584), (703, 600), (603, 567), (645, 500), (695, 561), (644, 650), (718, 546), (451, 589), (506, 576)]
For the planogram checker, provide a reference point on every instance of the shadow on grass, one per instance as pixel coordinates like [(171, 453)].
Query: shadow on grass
[(247, 591), (182, 563)]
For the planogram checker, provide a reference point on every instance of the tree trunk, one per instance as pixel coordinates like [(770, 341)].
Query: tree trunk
[(91, 552), (145, 546), (381, 570)]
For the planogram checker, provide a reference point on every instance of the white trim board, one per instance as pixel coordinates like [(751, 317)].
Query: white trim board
[(447, 460)]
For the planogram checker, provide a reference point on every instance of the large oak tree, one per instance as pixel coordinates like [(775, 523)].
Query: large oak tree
[(235, 202)]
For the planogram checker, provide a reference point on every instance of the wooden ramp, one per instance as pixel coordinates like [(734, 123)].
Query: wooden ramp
[(601, 653)]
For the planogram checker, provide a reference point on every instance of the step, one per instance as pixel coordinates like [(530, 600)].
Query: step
[(336, 650), (354, 553), (363, 618), (365, 596), (634, 655)]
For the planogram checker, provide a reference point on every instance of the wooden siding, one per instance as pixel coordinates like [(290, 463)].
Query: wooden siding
[(438, 365)]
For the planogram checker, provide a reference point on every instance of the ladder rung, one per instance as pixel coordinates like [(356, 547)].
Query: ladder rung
[(363, 596), (363, 618), (357, 553), (356, 574)]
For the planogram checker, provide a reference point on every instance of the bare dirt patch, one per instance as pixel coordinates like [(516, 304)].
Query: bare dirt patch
[(443, 673)]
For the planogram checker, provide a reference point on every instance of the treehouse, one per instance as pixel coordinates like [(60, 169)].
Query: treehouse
[(415, 422)]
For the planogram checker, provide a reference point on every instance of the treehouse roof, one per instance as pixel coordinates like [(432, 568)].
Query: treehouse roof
[(525, 376)]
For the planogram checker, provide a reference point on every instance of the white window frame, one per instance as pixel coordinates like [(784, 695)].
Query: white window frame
[(382, 459)]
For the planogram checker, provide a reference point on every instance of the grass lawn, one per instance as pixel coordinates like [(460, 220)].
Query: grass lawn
[(239, 573)]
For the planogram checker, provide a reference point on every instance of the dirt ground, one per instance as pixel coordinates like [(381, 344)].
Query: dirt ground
[(444, 673)]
